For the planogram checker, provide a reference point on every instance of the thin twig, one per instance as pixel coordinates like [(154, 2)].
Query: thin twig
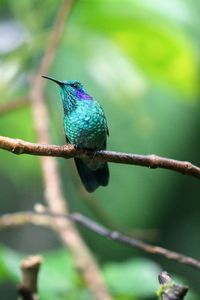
[(23, 218), (28, 217), (135, 243), (68, 151), (53, 191)]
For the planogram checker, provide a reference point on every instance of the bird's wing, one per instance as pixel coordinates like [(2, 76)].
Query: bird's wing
[(67, 140), (107, 131)]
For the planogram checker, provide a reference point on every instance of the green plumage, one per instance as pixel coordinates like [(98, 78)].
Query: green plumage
[(85, 126)]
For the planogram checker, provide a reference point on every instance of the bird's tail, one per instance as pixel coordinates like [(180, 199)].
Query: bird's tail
[(92, 179)]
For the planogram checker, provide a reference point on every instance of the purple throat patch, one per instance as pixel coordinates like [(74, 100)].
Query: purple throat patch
[(82, 95)]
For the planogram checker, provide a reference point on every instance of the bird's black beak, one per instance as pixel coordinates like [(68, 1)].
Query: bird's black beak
[(60, 83)]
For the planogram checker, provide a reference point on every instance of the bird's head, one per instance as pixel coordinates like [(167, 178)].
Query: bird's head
[(71, 89)]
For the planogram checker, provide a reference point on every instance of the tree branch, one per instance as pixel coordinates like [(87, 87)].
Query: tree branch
[(44, 218), (54, 197), (23, 218), (68, 151), (30, 266), (134, 243), (169, 290)]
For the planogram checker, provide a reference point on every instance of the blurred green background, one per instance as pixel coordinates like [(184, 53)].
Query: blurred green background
[(140, 59)]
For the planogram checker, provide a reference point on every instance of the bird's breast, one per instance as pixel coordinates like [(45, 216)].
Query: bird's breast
[(86, 126)]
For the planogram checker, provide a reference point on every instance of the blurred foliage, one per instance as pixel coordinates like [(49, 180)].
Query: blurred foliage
[(136, 277), (133, 279), (140, 58)]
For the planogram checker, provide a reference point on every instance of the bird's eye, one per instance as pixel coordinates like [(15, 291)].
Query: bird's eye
[(75, 85)]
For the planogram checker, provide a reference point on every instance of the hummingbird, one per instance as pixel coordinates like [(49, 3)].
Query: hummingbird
[(85, 126)]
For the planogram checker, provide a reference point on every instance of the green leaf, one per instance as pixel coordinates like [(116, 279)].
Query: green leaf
[(9, 264), (136, 277), (160, 48), (58, 278)]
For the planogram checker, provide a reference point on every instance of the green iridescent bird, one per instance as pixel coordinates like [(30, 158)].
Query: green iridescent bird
[(85, 126)]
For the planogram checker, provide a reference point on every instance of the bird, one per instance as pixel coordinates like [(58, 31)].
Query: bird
[(85, 126)]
